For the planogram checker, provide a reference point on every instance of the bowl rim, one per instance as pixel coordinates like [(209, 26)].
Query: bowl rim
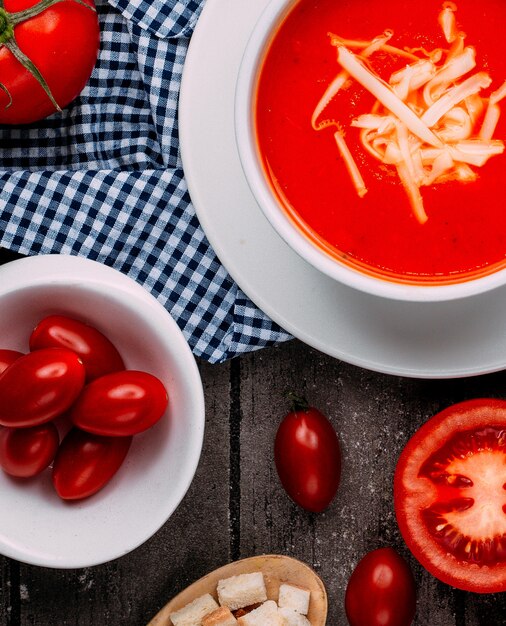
[(57, 269), (263, 30)]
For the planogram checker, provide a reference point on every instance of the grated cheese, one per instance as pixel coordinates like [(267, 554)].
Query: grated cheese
[(429, 120)]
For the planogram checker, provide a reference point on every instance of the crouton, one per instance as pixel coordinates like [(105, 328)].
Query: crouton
[(266, 614), (242, 590), (292, 618), (193, 613), (220, 617), (296, 598)]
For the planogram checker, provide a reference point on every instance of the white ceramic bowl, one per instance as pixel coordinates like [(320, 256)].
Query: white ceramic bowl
[(249, 70), (35, 525)]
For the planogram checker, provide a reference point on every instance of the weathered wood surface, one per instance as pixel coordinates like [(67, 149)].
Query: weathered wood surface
[(236, 508)]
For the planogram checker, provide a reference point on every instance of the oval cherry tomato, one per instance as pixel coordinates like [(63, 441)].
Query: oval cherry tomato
[(98, 354), (381, 591), (39, 386), (25, 452), (120, 404), (308, 457), (7, 357), (85, 463), (450, 495), (61, 41)]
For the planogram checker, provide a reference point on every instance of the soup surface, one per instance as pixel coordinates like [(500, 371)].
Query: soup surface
[(464, 232)]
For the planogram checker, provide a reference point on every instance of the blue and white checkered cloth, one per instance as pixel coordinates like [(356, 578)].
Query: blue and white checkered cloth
[(104, 180)]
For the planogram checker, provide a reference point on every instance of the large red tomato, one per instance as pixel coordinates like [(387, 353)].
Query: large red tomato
[(120, 404), (97, 352), (39, 386), (308, 458), (25, 452), (85, 463), (46, 56), (381, 591), (450, 495)]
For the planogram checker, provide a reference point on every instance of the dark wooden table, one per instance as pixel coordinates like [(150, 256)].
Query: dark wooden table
[(237, 508)]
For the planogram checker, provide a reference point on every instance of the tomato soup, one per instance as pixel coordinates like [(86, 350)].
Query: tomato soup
[(462, 232)]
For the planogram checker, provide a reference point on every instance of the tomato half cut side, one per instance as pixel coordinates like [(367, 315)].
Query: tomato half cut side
[(450, 495)]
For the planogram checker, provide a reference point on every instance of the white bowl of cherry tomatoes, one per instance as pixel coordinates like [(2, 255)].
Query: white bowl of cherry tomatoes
[(101, 412)]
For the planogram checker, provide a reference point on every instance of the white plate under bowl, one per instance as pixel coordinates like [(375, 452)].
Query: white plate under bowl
[(424, 340), (37, 527)]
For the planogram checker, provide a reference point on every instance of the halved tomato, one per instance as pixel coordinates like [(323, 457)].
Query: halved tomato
[(450, 495)]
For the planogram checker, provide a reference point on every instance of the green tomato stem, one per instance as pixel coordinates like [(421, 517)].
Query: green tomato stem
[(6, 26), (4, 88), (299, 403)]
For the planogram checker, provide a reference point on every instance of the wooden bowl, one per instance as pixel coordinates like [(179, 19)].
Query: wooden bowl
[(277, 569)]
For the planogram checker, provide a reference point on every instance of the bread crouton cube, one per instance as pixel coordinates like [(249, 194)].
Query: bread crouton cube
[(221, 617), (292, 618), (296, 598), (193, 613), (266, 614), (242, 590)]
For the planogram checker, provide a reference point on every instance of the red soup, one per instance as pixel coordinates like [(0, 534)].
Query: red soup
[(381, 131)]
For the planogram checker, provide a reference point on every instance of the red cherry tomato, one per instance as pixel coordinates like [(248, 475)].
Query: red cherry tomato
[(85, 463), (381, 591), (25, 452), (61, 42), (39, 386), (450, 498), (120, 404), (7, 357), (98, 354), (308, 458)]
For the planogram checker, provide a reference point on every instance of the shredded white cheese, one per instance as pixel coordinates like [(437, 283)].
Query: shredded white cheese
[(429, 120)]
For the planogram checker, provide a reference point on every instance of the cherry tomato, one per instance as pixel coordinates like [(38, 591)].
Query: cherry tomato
[(61, 41), (381, 591), (120, 404), (308, 457), (39, 386), (25, 452), (98, 354), (7, 357), (450, 498), (85, 463)]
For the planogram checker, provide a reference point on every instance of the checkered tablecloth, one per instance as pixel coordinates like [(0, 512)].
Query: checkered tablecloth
[(104, 180)]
